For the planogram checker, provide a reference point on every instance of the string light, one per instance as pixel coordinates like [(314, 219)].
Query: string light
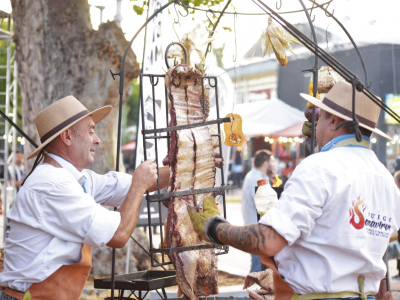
[(266, 139)]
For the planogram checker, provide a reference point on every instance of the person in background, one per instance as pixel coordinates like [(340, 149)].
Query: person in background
[(263, 168), (19, 173), (237, 170)]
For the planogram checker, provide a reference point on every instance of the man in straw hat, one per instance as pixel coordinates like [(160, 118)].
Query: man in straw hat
[(326, 236), (57, 216)]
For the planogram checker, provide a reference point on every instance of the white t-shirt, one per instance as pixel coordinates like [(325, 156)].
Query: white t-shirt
[(337, 213), (52, 217)]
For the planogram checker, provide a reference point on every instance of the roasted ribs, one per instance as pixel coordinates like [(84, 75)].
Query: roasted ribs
[(192, 166)]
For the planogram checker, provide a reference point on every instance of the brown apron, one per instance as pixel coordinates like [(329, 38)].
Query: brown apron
[(66, 283)]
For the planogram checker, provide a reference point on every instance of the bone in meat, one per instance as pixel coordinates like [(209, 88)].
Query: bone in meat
[(264, 279), (192, 166)]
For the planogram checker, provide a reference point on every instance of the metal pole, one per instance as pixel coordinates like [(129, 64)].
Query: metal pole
[(7, 129), (118, 16), (14, 131)]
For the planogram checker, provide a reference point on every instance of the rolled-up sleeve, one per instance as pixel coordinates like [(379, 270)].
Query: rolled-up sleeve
[(101, 232), (71, 215), (301, 203), (110, 189)]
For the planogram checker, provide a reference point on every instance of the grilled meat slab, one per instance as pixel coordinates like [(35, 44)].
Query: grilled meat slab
[(192, 166)]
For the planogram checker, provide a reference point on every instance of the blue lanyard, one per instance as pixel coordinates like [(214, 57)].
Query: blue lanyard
[(347, 140)]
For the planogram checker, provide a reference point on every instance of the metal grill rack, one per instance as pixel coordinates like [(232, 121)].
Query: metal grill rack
[(164, 133)]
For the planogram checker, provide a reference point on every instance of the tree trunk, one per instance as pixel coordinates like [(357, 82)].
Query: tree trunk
[(59, 54)]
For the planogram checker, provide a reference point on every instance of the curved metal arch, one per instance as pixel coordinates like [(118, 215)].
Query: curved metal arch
[(328, 14)]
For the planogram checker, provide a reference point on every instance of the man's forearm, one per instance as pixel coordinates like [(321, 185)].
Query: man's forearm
[(254, 239), (163, 179), (129, 211)]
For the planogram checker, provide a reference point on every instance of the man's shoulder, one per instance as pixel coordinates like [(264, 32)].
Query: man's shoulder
[(47, 175)]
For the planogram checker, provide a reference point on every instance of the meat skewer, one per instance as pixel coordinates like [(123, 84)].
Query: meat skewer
[(192, 166)]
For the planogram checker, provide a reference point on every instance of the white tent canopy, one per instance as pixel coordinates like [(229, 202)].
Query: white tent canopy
[(265, 117)]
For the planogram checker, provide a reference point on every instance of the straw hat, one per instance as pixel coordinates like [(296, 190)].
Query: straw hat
[(338, 101), (60, 116)]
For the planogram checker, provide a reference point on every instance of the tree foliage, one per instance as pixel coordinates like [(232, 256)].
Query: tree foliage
[(139, 9)]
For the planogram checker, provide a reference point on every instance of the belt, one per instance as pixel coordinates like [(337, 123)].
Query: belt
[(362, 295)]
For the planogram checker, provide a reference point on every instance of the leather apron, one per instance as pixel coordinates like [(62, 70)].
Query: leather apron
[(66, 283)]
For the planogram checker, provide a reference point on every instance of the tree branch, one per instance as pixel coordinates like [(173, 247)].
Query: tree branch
[(215, 26)]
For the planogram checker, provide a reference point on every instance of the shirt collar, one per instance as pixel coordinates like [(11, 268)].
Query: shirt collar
[(68, 166), (341, 138)]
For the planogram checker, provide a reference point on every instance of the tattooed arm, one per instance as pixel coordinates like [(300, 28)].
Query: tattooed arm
[(255, 239)]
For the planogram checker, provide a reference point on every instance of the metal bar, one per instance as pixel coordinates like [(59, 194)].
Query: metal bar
[(155, 127), (187, 126), (328, 14), (145, 251), (155, 137), (167, 115), (183, 249), (8, 74), (161, 230), (245, 14), (154, 75), (145, 158), (159, 197)]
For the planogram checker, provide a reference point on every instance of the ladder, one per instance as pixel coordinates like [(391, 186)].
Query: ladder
[(8, 104)]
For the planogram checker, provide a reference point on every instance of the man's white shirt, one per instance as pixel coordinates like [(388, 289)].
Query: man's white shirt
[(337, 213), (52, 217)]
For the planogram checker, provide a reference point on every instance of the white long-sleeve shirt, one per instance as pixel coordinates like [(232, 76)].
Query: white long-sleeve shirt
[(52, 217), (337, 213)]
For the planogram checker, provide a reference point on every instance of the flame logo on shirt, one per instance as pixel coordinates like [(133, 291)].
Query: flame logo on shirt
[(357, 213)]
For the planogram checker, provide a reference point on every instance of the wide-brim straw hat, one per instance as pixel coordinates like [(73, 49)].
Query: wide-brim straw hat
[(339, 102), (60, 116)]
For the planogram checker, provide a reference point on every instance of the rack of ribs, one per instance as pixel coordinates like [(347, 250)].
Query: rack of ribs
[(192, 167)]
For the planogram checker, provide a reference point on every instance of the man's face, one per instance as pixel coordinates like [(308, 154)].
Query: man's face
[(85, 142), (271, 168), (322, 130), (18, 159)]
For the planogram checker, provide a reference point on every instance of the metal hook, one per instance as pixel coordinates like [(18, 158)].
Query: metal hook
[(327, 13), (209, 20), (169, 46), (185, 8), (280, 6), (152, 80), (234, 28), (176, 11), (180, 81), (209, 82), (173, 27), (311, 11)]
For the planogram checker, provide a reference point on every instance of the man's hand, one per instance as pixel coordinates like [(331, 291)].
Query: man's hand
[(203, 221), (145, 175), (218, 160)]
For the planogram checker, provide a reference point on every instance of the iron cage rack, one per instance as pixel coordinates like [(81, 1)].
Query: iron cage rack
[(156, 134)]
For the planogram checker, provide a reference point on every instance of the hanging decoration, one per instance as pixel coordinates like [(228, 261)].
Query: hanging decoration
[(275, 38)]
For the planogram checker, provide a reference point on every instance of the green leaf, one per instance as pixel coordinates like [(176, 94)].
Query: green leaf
[(227, 28), (138, 10)]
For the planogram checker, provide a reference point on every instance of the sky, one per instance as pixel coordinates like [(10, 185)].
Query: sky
[(371, 21)]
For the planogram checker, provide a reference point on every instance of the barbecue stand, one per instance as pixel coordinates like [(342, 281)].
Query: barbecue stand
[(164, 133), (139, 284)]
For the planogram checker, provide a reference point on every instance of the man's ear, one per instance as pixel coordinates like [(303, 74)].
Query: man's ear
[(66, 137), (334, 122)]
